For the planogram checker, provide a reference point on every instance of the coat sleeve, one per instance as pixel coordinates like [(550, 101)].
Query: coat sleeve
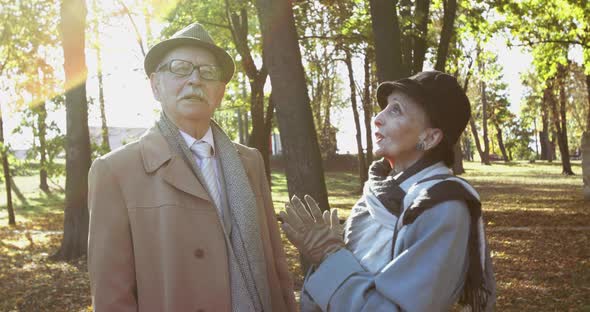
[(276, 242), (426, 276), (110, 251)]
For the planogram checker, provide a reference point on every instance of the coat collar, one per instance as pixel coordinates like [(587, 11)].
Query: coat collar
[(157, 155), (154, 150)]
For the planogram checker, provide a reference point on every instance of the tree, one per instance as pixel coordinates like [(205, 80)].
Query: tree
[(367, 102), (550, 29), (363, 173), (560, 119), (7, 177), (20, 42), (305, 174), (105, 145), (387, 38), (72, 29)]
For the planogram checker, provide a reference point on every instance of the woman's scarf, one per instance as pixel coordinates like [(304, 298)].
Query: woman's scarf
[(384, 184)]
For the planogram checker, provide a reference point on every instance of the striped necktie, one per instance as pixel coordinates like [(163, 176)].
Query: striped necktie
[(204, 151)]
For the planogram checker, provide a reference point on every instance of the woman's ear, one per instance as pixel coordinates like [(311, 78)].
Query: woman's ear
[(432, 138)]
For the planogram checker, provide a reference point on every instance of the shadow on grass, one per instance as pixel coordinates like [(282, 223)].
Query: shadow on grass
[(38, 205)]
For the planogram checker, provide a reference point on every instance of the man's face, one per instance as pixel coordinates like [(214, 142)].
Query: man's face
[(188, 100)]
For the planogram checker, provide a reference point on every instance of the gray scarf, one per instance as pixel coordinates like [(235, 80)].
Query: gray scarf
[(479, 292), (246, 254)]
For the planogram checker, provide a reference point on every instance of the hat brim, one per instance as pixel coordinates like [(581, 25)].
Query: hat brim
[(405, 85), (157, 52)]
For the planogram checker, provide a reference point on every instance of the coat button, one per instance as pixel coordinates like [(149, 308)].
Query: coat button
[(200, 310), (199, 253)]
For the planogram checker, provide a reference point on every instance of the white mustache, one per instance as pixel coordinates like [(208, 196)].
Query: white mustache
[(198, 93)]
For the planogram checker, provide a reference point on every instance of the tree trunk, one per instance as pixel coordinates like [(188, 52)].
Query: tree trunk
[(42, 127), (281, 54), (560, 122), (588, 92), (585, 145), (367, 105), (387, 37), (407, 38), (105, 145), (75, 238), (458, 167), (6, 170), (357, 123), (448, 28), (484, 123), (240, 126), (544, 138), (476, 138), (501, 142), (270, 109), (259, 138), (135, 28), (327, 134), (458, 164), (420, 46)]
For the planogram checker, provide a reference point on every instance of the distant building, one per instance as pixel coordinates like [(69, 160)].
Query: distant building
[(118, 136)]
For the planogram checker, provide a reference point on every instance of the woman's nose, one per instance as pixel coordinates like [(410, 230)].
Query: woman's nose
[(377, 120)]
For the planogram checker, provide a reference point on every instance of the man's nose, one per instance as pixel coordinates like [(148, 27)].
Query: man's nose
[(194, 77)]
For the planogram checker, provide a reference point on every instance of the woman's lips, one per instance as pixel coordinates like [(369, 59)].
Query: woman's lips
[(378, 137)]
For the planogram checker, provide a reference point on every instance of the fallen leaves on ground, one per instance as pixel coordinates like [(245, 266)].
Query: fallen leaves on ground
[(538, 228)]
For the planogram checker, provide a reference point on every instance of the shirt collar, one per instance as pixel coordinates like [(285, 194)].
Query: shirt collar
[(208, 137)]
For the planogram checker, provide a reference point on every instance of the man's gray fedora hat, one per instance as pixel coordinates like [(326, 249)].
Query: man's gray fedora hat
[(194, 35)]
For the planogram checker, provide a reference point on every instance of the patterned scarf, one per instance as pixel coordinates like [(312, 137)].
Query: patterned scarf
[(479, 290), (384, 182), (246, 255)]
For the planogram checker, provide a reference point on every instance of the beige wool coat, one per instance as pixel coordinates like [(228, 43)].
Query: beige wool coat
[(155, 240)]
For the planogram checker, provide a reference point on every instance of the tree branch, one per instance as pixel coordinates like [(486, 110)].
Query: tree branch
[(337, 37), (532, 43)]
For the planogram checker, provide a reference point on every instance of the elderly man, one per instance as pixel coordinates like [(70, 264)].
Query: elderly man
[(182, 219)]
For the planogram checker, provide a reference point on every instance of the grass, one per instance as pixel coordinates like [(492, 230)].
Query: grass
[(538, 227)]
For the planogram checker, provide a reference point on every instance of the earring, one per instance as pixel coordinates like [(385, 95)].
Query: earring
[(420, 146)]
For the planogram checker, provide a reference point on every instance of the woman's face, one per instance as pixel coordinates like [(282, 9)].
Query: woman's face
[(399, 129)]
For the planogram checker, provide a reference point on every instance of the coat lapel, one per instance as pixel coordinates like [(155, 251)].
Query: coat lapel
[(178, 174), (157, 156)]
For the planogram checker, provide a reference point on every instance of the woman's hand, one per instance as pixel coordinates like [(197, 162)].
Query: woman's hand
[(316, 235)]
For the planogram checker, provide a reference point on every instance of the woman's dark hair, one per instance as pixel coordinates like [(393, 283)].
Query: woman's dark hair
[(443, 152)]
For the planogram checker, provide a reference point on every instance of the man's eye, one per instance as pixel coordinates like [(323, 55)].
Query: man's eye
[(209, 72), (182, 68)]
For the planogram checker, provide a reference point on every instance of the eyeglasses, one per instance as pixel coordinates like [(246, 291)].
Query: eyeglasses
[(183, 68)]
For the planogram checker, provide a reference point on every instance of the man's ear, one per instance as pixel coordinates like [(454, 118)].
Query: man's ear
[(432, 138), (155, 86)]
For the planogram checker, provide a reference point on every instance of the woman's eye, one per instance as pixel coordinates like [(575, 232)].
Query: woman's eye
[(395, 109)]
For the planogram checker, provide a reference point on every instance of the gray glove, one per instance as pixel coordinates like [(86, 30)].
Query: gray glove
[(315, 235)]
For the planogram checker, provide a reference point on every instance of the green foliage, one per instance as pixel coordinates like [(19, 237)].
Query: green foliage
[(518, 138), (54, 138), (551, 29)]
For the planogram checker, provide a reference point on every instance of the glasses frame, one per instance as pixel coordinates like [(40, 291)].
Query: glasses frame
[(168, 66)]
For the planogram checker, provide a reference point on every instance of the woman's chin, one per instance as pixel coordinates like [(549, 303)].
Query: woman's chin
[(379, 153)]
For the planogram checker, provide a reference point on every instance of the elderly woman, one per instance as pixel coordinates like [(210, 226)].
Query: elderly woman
[(414, 241)]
